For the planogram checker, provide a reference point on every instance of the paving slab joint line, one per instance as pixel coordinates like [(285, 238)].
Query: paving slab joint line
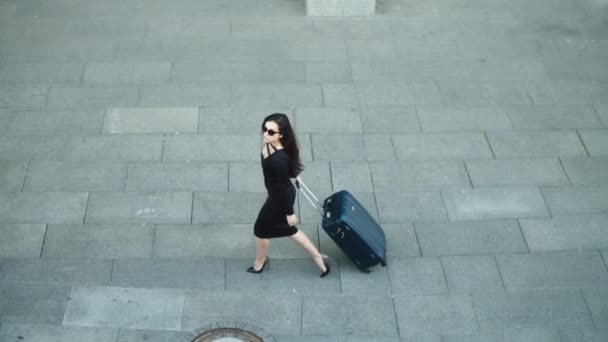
[(580, 138), (466, 169), (86, 208), (46, 229), (27, 170), (545, 201), (604, 257), (390, 137), (521, 231), (580, 291), (561, 163), (502, 279), (416, 111), (597, 114), (485, 134), (192, 209), (417, 239)]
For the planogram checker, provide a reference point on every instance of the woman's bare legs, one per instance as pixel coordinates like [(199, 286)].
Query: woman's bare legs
[(305, 242), (262, 246)]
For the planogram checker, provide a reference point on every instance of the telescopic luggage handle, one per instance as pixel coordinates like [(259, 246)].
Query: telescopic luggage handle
[(308, 194)]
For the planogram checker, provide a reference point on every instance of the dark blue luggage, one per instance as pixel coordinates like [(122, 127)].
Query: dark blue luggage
[(352, 228)]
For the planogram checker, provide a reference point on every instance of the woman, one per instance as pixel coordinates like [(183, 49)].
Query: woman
[(280, 162)]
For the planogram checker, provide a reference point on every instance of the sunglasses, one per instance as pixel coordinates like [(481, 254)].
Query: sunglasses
[(269, 131)]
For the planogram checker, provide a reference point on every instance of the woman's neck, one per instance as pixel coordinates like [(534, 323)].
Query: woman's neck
[(277, 145)]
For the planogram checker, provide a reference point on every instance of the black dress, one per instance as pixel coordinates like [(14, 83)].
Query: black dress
[(272, 220)]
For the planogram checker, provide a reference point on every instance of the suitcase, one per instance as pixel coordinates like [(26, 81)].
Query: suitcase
[(351, 227)]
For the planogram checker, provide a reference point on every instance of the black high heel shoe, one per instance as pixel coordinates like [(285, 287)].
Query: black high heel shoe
[(327, 269), (253, 270)]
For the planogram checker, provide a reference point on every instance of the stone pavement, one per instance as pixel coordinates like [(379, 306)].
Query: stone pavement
[(475, 131)]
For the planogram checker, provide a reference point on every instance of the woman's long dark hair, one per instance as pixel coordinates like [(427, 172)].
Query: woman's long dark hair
[(289, 142)]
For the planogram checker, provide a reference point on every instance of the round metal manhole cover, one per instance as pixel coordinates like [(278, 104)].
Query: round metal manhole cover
[(231, 332), (227, 335)]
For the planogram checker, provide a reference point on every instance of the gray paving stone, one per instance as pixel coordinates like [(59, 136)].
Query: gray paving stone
[(576, 200), (336, 147), (23, 95), (57, 122), (276, 94), (341, 95), (517, 334), (438, 314), (581, 232), (178, 176), (269, 71), (353, 176), (355, 282), (12, 175), (46, 207), (230, 207), (586, 171), (591, 335), (57, 271), (185, 95), (41, 72), (21, 240), (246, 177), (416, 276), (313, 50), (223, 241), (328, 120), (379, 148), (576, 91), (161, 49), (98, 241), (169, 273), (212, 148), (56, 333), (596, 142), (494, 203), (464, 93), (471, 272), (353, 28), (21, 148), (32, 304), (535, 144), (167, 28), (514, 93), (334, 71), (278, 315), (6, 117), (546, 117), (204, 241), (157, 309), (115, 148), (170, 207), (447, 119), (383, 120), (75, 176), (60, 49), (418, 175), (237, 120), (349, 315), (131, 335), (92, 96), (563, 309), (295, 276), (516, 172), (398, 207), (553, 270), (597, 300), (80, 28), (151, 120), (376, 49), (470, 237), (377, 94), (441, 146), (602, 111), (202, 70)]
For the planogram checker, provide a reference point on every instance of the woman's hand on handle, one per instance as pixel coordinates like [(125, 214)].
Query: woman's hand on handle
[(292, 219)]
